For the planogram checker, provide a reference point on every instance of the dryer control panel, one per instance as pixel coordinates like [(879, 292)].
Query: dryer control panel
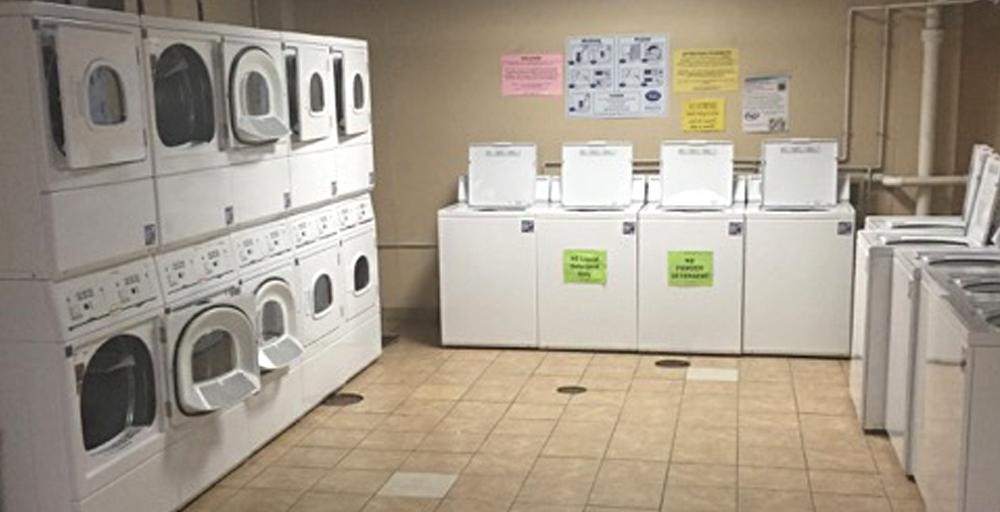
[(304, 231), (195, 265), (363, 210), (90, 298), (326, 222), (258, 244)]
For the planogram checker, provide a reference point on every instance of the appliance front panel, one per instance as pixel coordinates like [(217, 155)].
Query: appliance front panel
[(315, 105), (360, 257), (322, 294), (356, 91)]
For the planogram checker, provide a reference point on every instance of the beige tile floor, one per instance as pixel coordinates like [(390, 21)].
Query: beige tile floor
[(484, 430)]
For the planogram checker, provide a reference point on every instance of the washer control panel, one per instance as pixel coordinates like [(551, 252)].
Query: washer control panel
[(304, 230), (257, 244), (326, 222), (363, 210), (195, 265), (89, 298)]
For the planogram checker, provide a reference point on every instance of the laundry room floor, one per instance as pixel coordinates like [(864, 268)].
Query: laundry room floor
[(470, 430)]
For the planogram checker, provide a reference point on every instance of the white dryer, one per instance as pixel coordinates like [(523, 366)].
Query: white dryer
[(359, 254), (690, 276), (81, 385), (313, 118), (267, 273), (355, 157), (76, 185)]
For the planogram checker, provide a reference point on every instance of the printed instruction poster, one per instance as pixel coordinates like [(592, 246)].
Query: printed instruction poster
[(531, 75), (704, 115), (706, 69), (765, 104), (617, 76), (585, 266), (690, 269)]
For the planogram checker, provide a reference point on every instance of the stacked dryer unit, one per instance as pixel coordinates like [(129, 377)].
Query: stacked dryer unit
[(691, 253), (81, 388), (487, 250), (77, 192), (586, 251), (873, 289), (355, 155), (799, 253)]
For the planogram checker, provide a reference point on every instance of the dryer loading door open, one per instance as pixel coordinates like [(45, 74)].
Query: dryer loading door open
[(256, 103), (215, 361), (311, 94), (95, 101), (355, 92), (278, 346)]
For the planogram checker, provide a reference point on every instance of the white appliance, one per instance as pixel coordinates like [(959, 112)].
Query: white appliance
[(80, 389), (980, 153), (502, 175), (586, 264), (596, 175), (267, 273), (958, 364), (696, 175), (690, 275), (313, 118), (799, 174), (797, 281), (76, 191), (873, 289), (901, 392), (359, 258), (355, 157)]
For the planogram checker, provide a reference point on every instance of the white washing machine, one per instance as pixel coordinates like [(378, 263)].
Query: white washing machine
[(945, 223), (958, 363), (797, 281), (355, 157), (76, 186), (267, 272), (901, 393), (690, 275), (359, 257), (313, 118), (596, 175), (81, 384), (873, 290)]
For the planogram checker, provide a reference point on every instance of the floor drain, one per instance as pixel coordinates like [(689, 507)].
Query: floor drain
[(342, 399), (571, 390), (673, 363)]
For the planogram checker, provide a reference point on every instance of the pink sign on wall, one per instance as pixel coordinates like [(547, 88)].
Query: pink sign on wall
[(531, 74)]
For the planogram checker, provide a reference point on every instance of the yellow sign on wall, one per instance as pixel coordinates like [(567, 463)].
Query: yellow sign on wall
[(704, 115), (706, 69)]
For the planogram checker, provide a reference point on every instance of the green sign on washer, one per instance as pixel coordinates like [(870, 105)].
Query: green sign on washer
[(689, 269), (585, 266)]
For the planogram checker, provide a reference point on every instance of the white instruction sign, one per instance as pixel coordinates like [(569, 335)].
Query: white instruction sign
[(765, 104), (617, 76)]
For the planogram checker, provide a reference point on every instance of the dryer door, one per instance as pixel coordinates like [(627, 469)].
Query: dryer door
[(95, 100), (321, 295), (311, 96), (362, 272), (356, 92), (257, 103), (277, 345), (184, 98), (116, 383), (215, 361)]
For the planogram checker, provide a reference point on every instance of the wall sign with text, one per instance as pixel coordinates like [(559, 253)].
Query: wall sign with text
[(617, 76)]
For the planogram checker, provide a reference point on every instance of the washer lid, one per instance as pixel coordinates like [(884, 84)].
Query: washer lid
[(984, 210), (255, 97)]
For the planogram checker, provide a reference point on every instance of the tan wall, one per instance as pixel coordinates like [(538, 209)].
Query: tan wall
[(435, 66)]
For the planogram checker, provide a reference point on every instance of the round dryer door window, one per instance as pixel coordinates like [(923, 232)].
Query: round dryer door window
[(215, 361), (256, 104), (182, 87), (277, 345), (117, 389)]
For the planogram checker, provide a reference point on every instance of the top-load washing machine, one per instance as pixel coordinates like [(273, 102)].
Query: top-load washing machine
[(81, 385), (958, 364), (76, 190), (355, 157), (691, 253), (586, 251), (798, 259), (498, 307), (942, 223), (901, 393), (873, 289), (312, 107)]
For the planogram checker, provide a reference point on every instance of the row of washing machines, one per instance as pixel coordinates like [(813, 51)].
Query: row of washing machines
[(690, 261), (925, 362), (123, 135), (189, 260), (138, 386)]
